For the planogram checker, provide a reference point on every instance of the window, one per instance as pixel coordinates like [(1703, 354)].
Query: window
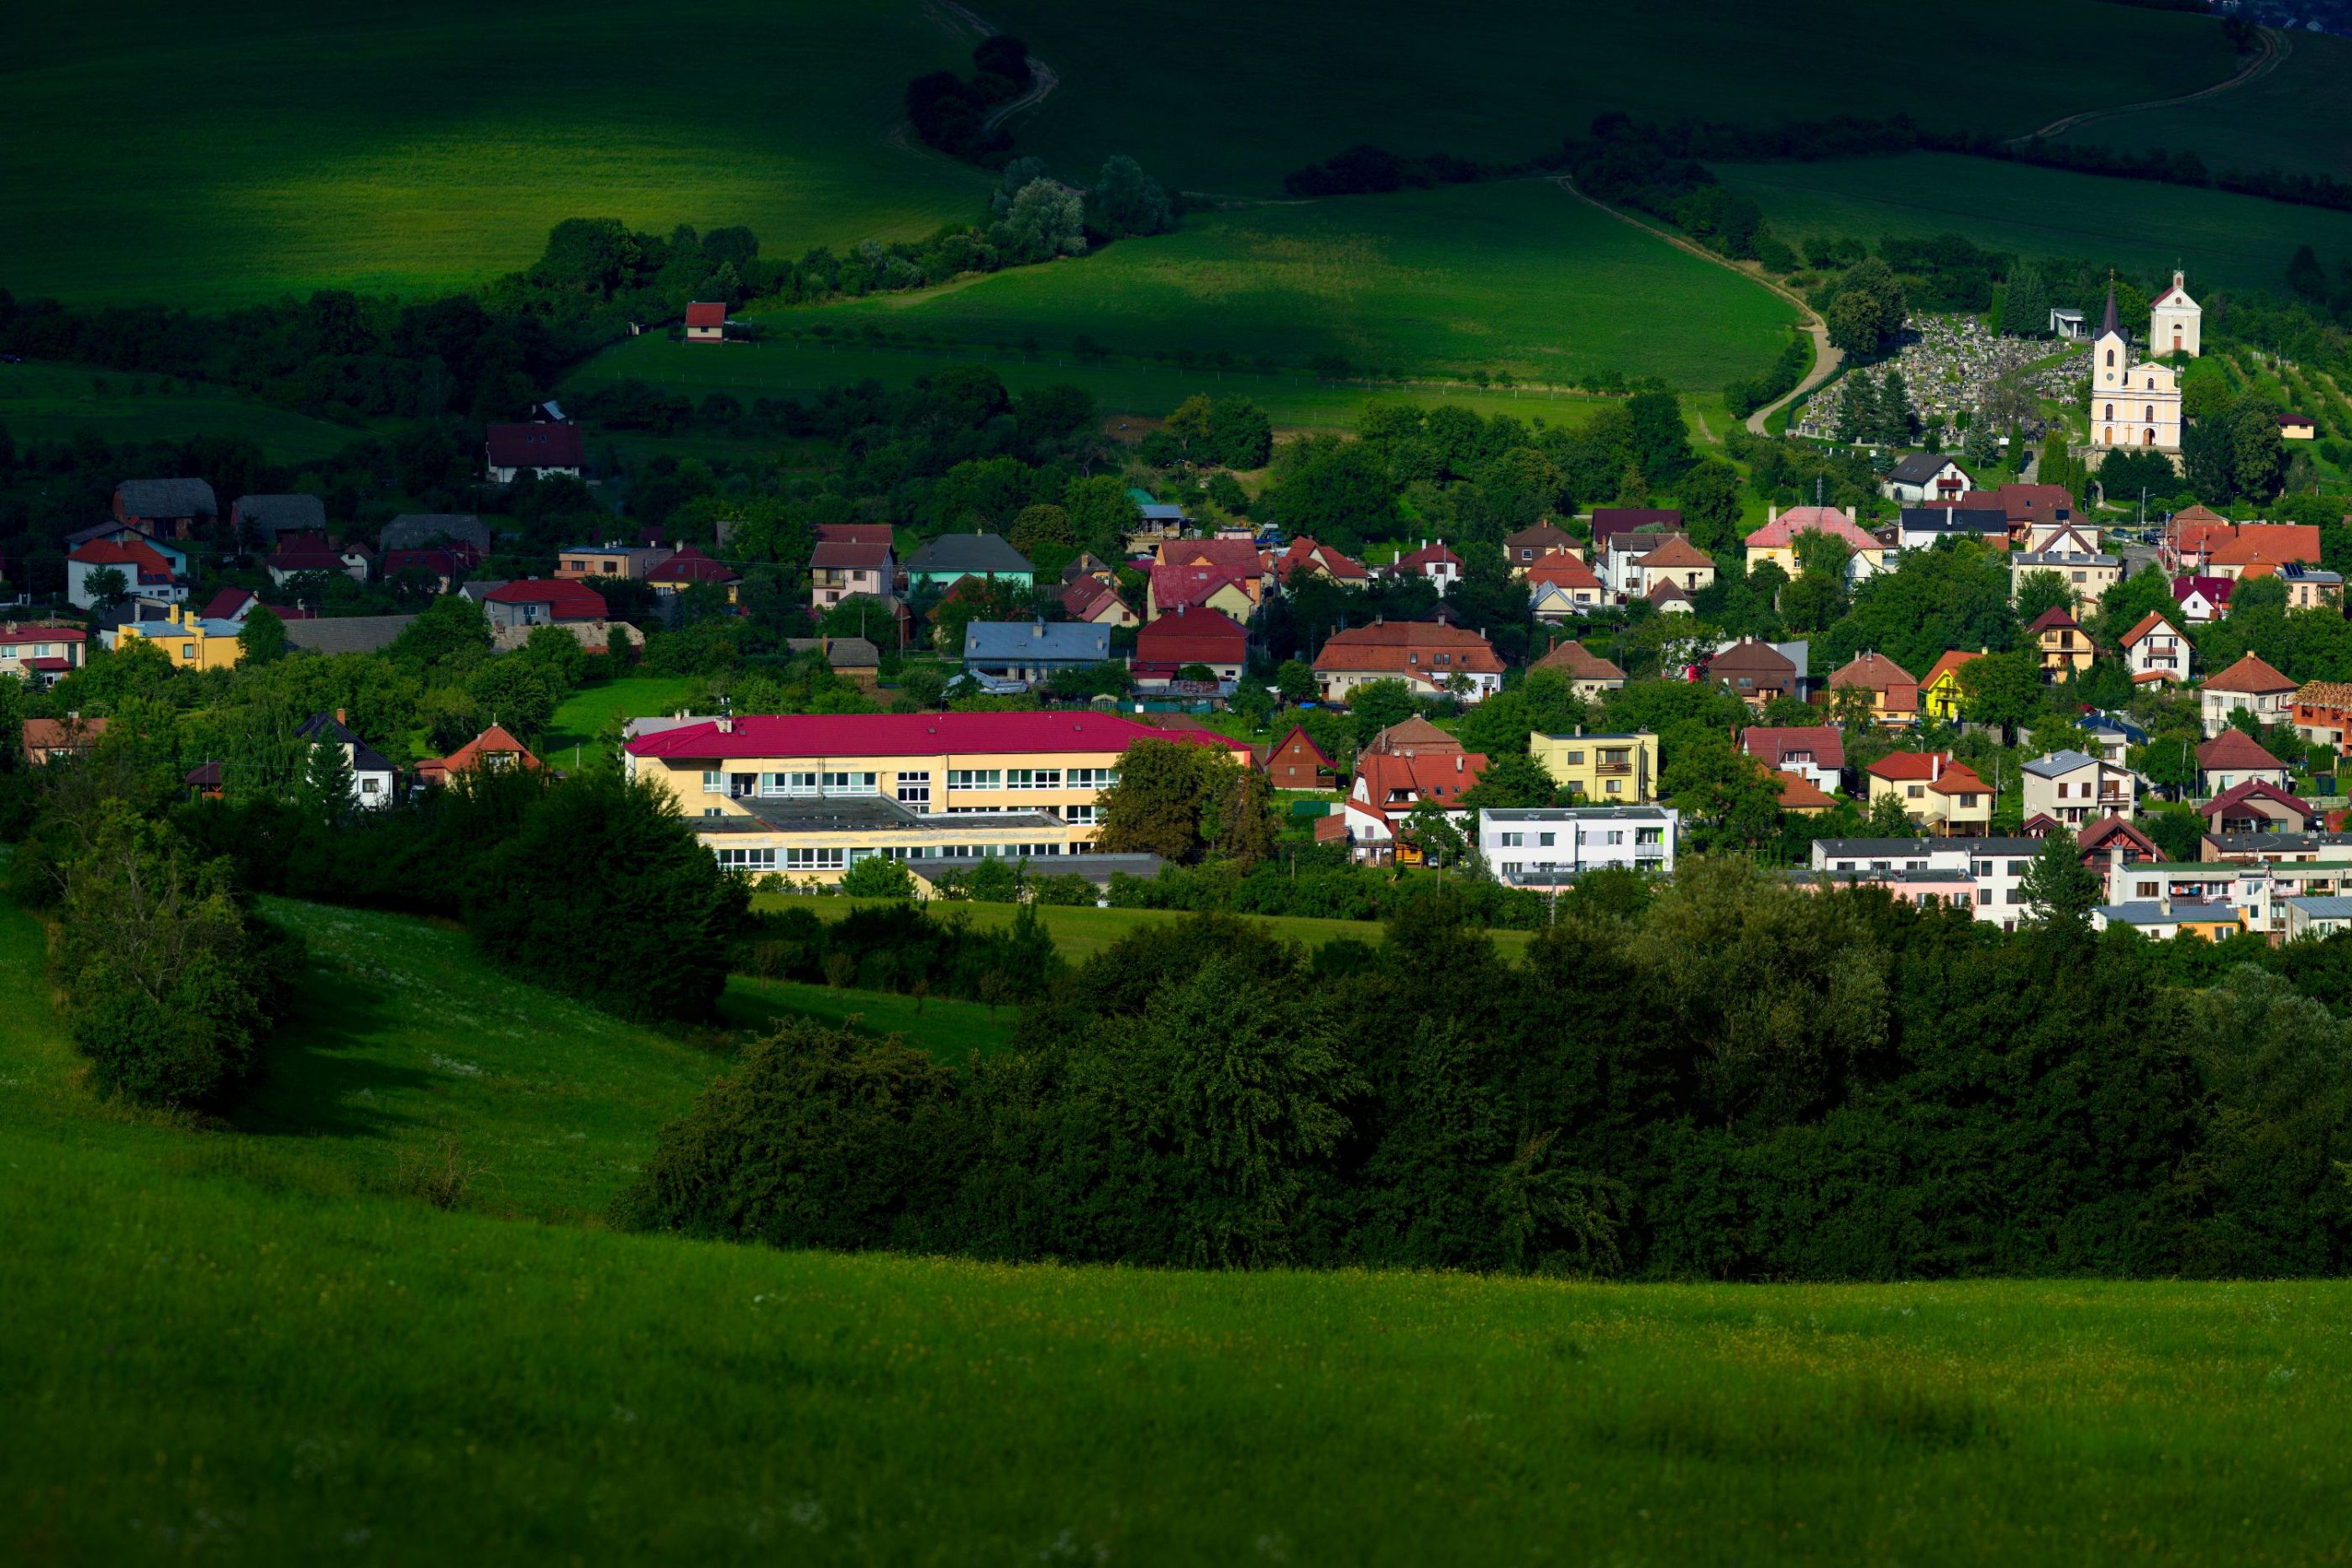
[(2111, 410), (813, 859), (368, 786), (851, 783), (1651, 836), (1092, 778), (1080, 816), (974, 779), (1033, 778), (1575, 759), (787, 783), (1915, 791), (914, 790), (714, 782), (1615, 787), (1968, 802), (2147, 890), (1514, 840), (1545, 841), (746, 859), (2111, 356), (188, 650)]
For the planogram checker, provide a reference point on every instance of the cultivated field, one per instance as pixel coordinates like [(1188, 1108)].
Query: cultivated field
[(2296, 116), (260, 1343), (54, 402), (2238, 242)]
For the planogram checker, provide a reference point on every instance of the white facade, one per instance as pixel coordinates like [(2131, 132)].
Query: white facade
[(2176, 322), (2073, 787), (2138, 404), (2160, 654), (1997, 866), (1541, 844)]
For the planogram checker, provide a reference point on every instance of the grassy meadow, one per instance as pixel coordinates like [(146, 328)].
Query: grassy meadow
[(2225, 241), (581, 717), (2296, 116), (255, 1340), (56, 401)]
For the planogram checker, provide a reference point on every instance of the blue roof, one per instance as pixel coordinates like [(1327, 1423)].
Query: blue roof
[(1016, 642)]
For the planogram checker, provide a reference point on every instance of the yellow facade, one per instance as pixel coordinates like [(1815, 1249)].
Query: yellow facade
[(187, 640), (1610, 768), (1940, 698)]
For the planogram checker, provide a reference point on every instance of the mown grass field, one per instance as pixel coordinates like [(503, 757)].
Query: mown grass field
[(2225, 241), (1081, 931), (54, 402), (581, 717), (235, 152)]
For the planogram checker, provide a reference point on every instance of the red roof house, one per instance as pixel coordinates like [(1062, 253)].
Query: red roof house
[(1189, 636), (512, 451), (706, 321), (490, 751), (542, 600), (1298, 763)]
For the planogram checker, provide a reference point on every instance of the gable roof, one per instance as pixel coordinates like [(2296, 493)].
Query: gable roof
[(2256, 789), (306, 552), (1000, 642), (346, 633), (2276, 543), (413, 528), (295, 513), (1439, 776), (534, 446), (2251, 675), (1784, 528), (1542, 537), (1676, 552), (1578, 663), (2053, 619), (856, 533), (2235, 749), (853, 554), (2148, 626), (1798, 793), (967, 553), (1755, 655), (1910, 767), (689, 565), (570, 599), (1192, 637), (1562, 571), (706, 313), (1769, 744), (1874, 672), (2058, 762), (1610, 521), (1426, 555), (1921, 467), (1235, 555), (1948, 663), (1408, 647), (1177, 586), (2111, 826), (149, 564), (166, 498), (1414, 734), (493, 741), (1305, 551), (326, 727), (1298, 733), (1086, 599), (2216, 590)]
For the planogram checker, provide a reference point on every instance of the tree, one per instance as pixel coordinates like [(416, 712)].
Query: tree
[(1045, 220), (1376, 704), (2041, 591), (2059, 888), (1889, 819), (1041, 526), (1126, 201), (2005, 689), (1240, 436), (1430, 829), (450, 635), (1102, 514), (262, 638), (1293, 680), (2025, 303), (2208, 460), (1511, 780), (1709, 492), (1164, 800), (1869, 311), (877, 877), (1244, 830), (2257, 449), (1661, 444), (1343, 490), (105, 585), (327, 786)]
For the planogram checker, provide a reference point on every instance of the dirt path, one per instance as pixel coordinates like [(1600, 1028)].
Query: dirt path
[(1826, 357), (963, 20), (2276, 47)]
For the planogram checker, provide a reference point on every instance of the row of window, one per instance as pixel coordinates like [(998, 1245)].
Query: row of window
[(824, 858), (911, 788), (1518, 868), (1646, 836)]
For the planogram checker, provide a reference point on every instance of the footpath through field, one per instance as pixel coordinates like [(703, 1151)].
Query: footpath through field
[(2276, 47), (1826, 357)]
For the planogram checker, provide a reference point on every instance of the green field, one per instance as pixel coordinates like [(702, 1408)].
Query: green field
[(952, 1032), (232, 153), (250, 1341), (53, 403), (2296, 117), (1081, 932), (581, 717), (2232, 242)]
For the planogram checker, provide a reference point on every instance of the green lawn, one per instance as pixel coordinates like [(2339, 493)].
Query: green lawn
[(55, 402), (1081, 931), (248, 1341), (581, 717), (2224, 241)]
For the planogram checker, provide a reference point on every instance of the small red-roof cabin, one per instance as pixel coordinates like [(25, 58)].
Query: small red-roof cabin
[(706, 322)]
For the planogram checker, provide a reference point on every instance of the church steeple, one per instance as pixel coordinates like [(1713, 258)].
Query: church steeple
[(2108, 327)]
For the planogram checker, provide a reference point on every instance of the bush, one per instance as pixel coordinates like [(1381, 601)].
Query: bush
[(875, 877)]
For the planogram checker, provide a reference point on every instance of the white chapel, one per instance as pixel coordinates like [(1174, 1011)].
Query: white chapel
[(2138, 404)]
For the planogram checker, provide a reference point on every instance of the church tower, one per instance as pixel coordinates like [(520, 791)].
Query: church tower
[(2175, 321), (2136, 404), (2110, 369)]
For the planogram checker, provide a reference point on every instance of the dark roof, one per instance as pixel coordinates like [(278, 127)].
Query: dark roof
[(347, 633), (1921, 467), (283, 514), (1009, 642), (413, 528), (690, 565), (969, 553), (1955, 520), (534, 446), (166, 498), (1761, 657), (2107, 323), (841, 652), (326, 727)]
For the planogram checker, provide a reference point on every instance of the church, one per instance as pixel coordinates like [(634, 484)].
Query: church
[(2138, 404)]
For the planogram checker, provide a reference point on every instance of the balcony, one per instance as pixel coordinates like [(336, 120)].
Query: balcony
[(1607, 769)]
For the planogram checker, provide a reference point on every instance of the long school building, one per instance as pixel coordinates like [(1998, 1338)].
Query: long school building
[(807, 796)]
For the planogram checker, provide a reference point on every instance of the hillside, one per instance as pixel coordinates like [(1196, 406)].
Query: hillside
[(54, 403), (255, 1344)]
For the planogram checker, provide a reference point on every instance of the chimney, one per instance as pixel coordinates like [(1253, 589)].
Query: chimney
[(339, 716), (1457, 762), (1934, 765), (2163, 900)]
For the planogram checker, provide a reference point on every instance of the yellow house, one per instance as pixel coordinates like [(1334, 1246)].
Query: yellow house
[(1940, 693), (187, 639), (1943, 796), (807, 796), (1605, 768)]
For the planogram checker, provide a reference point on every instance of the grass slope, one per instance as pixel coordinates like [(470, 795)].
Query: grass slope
[(2223, 240), (230, 153), (2297, 116), (1258, 90), (581, 717), (231, 1342), (55, 402)]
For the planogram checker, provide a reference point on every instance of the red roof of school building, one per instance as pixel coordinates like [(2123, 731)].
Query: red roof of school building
[(911, 734), (567, 598), (1191, 636)]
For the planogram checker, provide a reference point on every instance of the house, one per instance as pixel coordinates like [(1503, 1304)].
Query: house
[(2069, 327), (346, 633), (492, 751), (2032, 507), (2193, 533), (543, 601), (952, 556), (1160, 521), (2166, 918), (1434, 561), (167, 509), (143, 570), (1094, 601), (2111, 736), (1431, 658), (2257, 550), (2251, 686), (1043, 772), (1618, 768), (1304, 555), (1801, 799), (372, 776), (2111, 836), (2202, 600), (689, 567), (1925, 476), (1944, 797), (1027, 652), (1813, 752), (1562, 585), (2322, 713), (1668, 600), (859, 534), (47, 740), (1588, 675), (189, 641), (444, 566), (855, 659), (1614, 563), (1941, 694), (2311, 587), (1678, 562), (1415, 737), (1753, 670), (1992, 871), (2071, 788), (2233, 757), (1298, 763), (2298, 427), (1776, 541), (1608, 522), (1528, 546), (612, 559), (266, 519), (541, 451), (1893, 695), (2270, 848), (1389, 784), (1923, 528), (1224, 590), (2313, 916), (415, 531), (2155, 650), (840, 569), (308, 553), (2087, 573), (2064, 646), (1205, 637), (2257, 808), (38, 654), (1550, 845), (204, 781), (706, 321)]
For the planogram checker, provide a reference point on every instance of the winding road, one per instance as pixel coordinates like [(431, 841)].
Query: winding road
[(2276, 47), (1827, 357)]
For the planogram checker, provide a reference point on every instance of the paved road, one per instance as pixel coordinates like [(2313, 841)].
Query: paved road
[(1826, 357)]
